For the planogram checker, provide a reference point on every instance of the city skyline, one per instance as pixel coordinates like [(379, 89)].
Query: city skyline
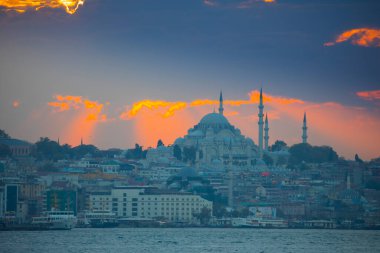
[(125, 73)]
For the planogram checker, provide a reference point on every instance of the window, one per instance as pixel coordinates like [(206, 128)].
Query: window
[(134, 199)]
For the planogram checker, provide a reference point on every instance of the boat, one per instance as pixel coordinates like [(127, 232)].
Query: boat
[(259, 222), (98, 219), (55, 220)]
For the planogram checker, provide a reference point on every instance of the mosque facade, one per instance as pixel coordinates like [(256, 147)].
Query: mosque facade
[(217, 141)]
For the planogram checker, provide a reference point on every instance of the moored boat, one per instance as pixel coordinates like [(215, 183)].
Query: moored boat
[(55, 220), (98, 219)]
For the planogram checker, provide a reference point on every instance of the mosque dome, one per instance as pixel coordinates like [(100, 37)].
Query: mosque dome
[(214, 119), (179, 141)]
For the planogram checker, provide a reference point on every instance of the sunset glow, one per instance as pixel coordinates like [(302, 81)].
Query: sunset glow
[(369, 95), (21, 6), (365, 37)]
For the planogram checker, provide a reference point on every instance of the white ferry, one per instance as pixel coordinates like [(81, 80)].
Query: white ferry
[(98, 219), (55, 220), (259, 222)]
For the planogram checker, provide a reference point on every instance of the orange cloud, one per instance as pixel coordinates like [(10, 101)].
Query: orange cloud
[(201, 102), (21, 6), (369, 95), (255, 98), (83, 123), (169, 108), (93, 109), (16, 103), (365, 37)]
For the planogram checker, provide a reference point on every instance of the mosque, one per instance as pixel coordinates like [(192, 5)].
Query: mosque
[(219, 142)]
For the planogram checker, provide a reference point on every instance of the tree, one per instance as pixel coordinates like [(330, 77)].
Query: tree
[(82, 150), (304, 152), (5, 151), (4, 135), (136, 153), (267, 159), (177, 152), (278, 146), (48, 149), (160, 143)]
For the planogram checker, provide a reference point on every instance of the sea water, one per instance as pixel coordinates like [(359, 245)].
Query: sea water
[(190, 240)]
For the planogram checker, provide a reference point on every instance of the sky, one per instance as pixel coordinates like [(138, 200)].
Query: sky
[(120, 72)]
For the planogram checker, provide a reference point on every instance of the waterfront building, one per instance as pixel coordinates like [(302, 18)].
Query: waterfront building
[(137, 202), (61, 200)]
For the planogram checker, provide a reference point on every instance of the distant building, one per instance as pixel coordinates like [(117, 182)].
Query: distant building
[(17, 147), (61, 200), (10, 199), (147, 202)]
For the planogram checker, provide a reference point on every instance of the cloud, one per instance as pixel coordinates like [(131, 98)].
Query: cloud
[(93, 110), (372, 95), (16, 103), (365, 37), (21, 6), (80, 115), (210, 2), (169, 108)]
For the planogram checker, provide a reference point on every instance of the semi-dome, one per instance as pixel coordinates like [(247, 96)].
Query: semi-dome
[(214, 119)]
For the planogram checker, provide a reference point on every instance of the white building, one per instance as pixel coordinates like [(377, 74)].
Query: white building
[(146, 202), (159, 173), (161, 155), (110, 167)]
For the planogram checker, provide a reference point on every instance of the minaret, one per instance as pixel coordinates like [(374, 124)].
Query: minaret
[(81, 141), (304, 130), (266, 136), (261, 124), (221, 109)]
